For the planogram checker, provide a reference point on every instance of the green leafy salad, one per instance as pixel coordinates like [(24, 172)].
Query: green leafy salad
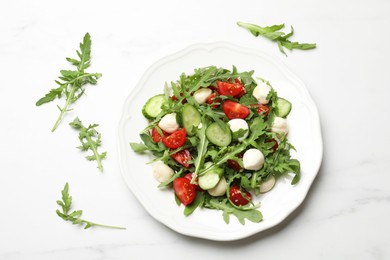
[(219, 138)]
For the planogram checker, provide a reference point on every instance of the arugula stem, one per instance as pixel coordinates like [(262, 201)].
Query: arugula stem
[(94, 150), (64, 109), (101, 225)]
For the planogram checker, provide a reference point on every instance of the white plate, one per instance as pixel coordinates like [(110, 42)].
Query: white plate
[(304, 134)]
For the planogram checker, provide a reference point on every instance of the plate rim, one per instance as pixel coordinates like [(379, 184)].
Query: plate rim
[(210, 46)]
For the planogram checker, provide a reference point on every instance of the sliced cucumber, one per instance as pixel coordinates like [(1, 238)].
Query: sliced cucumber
[(283, 107), (153, 106), (211, 178), (219, 135), (190, 117)]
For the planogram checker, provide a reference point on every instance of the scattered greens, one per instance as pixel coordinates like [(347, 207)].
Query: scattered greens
[(90, 140), (71, 83), (74, 217), (273, 33)]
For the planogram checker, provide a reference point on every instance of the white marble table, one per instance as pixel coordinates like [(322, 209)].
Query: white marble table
[(346, 213)]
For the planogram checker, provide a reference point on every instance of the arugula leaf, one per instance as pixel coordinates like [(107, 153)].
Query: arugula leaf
[(282, 162), (198, 202), (75, 216), (72, 81), (90, 140), (201, 148), (273, 33), (253, 215), (139, 148)]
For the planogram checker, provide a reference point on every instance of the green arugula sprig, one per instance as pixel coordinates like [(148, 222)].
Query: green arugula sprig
[(71, 83), (74, 217), (228, 209), (90, 140), (273, 33)]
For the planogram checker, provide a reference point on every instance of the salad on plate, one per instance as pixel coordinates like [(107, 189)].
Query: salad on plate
[(219, 141)]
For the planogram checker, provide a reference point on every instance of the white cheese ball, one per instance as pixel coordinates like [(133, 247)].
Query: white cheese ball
[(162, 172), (168, 123), (261, 92), (219, 189), (267, 185), (253, 159), (237, 124), (279, 125), (202, 94)]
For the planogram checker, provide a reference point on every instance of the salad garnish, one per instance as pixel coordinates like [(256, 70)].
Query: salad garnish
[(274, 34), (219, 138), (75, 216), (90, 139), (71, 82)]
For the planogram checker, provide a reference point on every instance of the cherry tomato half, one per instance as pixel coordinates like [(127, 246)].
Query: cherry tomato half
[(236, 196), (156, 137), (182, 157), (243, 91), (189, 177), (213, 98), (235, 110), (262, 109), (176, 139), (174, 98), (234, 164), (230, 89), (184, 190)]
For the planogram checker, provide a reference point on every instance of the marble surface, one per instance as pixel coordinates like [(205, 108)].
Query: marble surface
[(346, 213)]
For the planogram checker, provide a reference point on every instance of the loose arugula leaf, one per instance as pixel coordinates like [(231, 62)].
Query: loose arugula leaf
[(253, 215), (75, 216), (273, 33), (72, 81), (90, 140)]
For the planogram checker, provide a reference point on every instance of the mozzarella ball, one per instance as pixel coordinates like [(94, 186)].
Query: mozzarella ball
[(267, 185), (162, 172), (261, 92), (219, 189), (237, 124), (279, 125), (202, 94), (253, 159), (168, 123)]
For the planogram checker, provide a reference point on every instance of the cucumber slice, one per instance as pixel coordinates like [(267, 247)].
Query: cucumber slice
[(210, 179), (152, 107), (283, 107), (190, 117), (218, 135)]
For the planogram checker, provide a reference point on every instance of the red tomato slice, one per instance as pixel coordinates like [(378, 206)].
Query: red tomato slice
[(182, 157), (243, 91), (235, 110), (189, 177), (176, 139), (234, 164), (174, 98), (236, 196), (213, 98), (262, 109), (230, 89), (184, 190), (156, 137)]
